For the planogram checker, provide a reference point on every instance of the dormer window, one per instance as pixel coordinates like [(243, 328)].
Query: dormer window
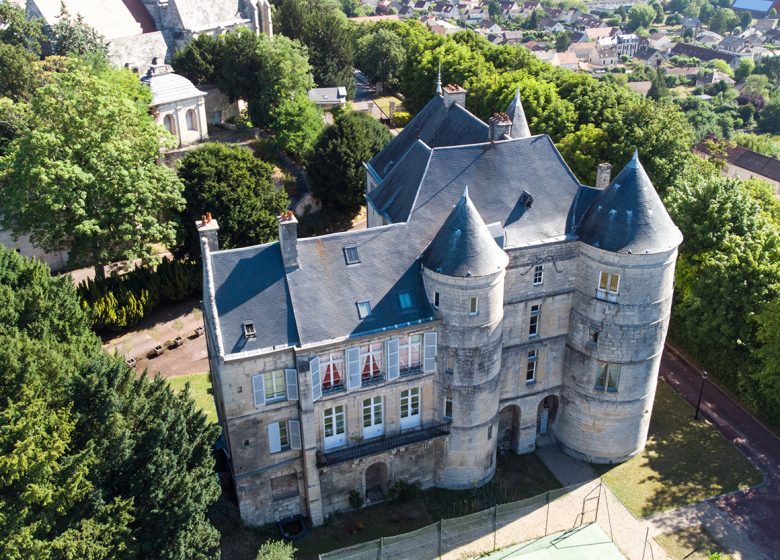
[(249, 329), (351, 255), (364, 309), (405, 301), (526, 199)]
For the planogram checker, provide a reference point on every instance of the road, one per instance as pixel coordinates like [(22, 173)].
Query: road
[(755, 513)]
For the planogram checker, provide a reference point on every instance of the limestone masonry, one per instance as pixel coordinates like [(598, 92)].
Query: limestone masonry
[(493, 303)]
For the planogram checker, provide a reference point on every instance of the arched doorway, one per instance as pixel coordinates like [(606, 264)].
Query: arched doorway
[(508, 428), (548, 408), (376, 483)]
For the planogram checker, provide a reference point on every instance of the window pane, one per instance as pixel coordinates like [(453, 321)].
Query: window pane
[(604, 281), (601, 377), (283, 434), (613, 283)]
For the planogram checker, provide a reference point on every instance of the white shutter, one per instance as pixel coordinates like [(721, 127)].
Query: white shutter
[(316, 383), (291, 379), (274, 439), (392, 359), (294, 431), (259, 389), (429, 354), (353, 368)]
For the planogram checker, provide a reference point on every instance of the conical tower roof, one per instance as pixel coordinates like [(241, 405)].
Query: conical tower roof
[(629, 217), (463, 245), (517, 114)]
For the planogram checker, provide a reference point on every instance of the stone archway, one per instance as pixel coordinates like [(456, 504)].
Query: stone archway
[(377, 480), (545, 418), (509, 428)]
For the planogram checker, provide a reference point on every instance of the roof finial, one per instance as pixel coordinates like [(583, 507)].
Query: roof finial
[(466, 192), (438, 80), (634, 159)]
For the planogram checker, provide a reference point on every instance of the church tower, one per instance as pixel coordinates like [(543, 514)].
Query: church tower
[(619, 319), (463, 272)]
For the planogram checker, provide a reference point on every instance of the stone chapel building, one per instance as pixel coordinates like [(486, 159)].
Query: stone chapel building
[(493, 302)]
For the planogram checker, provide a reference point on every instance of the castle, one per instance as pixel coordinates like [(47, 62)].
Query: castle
[(492, 303)]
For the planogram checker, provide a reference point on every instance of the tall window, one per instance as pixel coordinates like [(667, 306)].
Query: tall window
[(609, 282), (538, 274), (436, 299), (410, 353), (334, 424), (410, 408), (373, 418), (530, 368), (448, 408), (371, 361), (533, 325), (473, 306), (332, 366), (275, 389), (607, 377), (192, 120), (169, 124)]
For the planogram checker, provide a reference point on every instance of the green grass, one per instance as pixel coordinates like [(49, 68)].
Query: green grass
[(200, 391), (693, 543), (683, 462)]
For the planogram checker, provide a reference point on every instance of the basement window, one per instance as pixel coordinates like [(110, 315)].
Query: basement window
[(249, 329), (364, 309), (351, 255)]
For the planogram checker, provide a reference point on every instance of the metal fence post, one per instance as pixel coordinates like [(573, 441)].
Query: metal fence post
[(495, 525), (644, 548), (439, 538), (381, 548), (547, 517)]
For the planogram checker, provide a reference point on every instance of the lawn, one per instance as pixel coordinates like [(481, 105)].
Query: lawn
[(684, 462), (518, 477), (693, 543), (200, 391)]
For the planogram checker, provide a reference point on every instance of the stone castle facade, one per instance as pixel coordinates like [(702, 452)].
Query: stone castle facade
[(493, 303)]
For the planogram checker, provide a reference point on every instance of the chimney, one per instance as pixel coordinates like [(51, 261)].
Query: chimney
[(288, 239), (454, 94), (500, 124), (603, 175), (208, 229)]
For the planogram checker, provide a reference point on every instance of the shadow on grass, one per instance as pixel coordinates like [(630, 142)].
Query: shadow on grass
[(693, 543), (684, 462)]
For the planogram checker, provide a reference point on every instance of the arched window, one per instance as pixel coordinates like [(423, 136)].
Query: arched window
[(192, 120), (169, 124)]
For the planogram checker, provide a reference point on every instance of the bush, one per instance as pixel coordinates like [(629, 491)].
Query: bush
[(276, 550), (402, 118), (120, 302), (404, 491), (356, 500)]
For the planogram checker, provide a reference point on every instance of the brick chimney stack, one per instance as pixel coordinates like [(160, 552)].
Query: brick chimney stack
[(500, 124), (208, 229), (454, 94), (288, 239), (603, 175)]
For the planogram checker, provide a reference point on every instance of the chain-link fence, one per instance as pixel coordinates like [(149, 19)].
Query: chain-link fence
[(513, 523)]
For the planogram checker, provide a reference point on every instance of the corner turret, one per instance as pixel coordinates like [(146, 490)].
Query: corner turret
[(517, 115)]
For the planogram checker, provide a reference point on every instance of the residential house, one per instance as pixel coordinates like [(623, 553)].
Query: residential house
[(649, 55), (551, 25), (642, 88), (703, 54), (329, 98), (604, 56), (708, 38), (489, 26), (583, 51), (747, 164), (587, 21)]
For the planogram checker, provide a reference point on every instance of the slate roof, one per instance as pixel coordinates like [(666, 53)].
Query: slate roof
[(198, 15), (753, 161), (517, 114), (170, 87), (250, 285), (436, 125), (701, 53), (463, 246), (629, 217)]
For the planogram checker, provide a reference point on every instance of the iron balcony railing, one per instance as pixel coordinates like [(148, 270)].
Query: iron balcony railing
[(380, 445)]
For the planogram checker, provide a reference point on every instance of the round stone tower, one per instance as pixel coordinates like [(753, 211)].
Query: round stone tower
[(619, 319), (463, 272)]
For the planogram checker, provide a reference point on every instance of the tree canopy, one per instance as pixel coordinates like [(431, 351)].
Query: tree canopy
[(237, 188)]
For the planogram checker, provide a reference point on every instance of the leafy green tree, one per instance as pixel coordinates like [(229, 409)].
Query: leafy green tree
[(235, 186), (562, 42), (769, 66), (584, 150), (770, 118), (640, 15), (85, 176), (276, 550), (381, 56), (297, 123), (767, 373), (336, 166), (17, 73), (723, 20), (13, 119), (745, 19), (71, 36), (761, 143), (658, 89), (199, 59), (17, 29), (745, 69)]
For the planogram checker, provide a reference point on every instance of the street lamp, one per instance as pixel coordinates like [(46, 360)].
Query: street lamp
[(701, 391)]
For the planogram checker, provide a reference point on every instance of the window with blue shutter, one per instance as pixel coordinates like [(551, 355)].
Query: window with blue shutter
[(429, 351), (274, 438), (291, 380), (392, 359), (258, 388), (316, 386), (353, 368)]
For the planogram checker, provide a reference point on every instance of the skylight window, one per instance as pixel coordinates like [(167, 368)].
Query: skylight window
[(364, 309), (249, 329), (351, 255), (405, 300)]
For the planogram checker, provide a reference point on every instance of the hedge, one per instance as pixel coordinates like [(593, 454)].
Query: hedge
[(120, 302)]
